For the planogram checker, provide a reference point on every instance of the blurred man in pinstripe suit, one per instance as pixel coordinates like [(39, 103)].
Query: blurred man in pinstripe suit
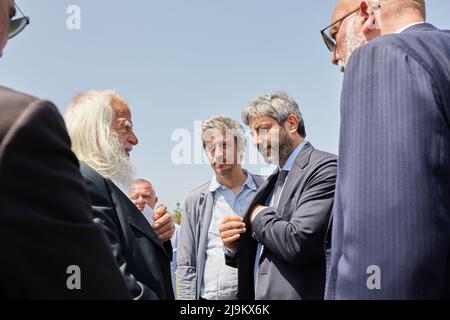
[(391, 228)]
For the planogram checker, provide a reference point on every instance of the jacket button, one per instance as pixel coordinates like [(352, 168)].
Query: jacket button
[(255, 236)]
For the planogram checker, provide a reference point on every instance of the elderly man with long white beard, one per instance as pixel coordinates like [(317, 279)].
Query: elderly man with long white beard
[(99, 124)]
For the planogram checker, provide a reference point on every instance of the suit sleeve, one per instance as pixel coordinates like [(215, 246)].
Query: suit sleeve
[(186, 256), (392, 175), (105, 215), (169, 249), (301, 239), (46, 214)]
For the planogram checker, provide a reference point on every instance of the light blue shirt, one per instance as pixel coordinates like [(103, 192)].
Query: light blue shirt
[(219, 280), (287, 166)]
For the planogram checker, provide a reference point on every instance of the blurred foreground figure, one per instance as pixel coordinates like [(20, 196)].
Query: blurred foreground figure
[(49, 246)]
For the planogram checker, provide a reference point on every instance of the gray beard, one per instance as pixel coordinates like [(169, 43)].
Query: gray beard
[(280, 151), (351, 43)]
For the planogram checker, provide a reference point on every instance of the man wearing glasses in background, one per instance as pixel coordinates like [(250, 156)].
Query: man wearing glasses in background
[(46, 230), (391, 227)]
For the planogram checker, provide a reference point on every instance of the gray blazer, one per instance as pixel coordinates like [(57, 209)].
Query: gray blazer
[(192, 240), (292, 265)]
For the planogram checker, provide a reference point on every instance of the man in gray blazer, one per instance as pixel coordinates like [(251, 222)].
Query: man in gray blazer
[(391, 218), (279, 245), (202, 272)]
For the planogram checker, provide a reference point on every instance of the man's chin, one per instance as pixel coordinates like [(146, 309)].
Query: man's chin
[(341, 66), (223, 169)]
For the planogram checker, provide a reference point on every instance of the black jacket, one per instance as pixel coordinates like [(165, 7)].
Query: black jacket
[(143, 259)]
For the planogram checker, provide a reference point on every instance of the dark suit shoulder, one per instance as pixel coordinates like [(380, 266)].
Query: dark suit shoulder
[(19, 109), (89, 172), (415, 42), (310, 156), (11, 97), (323, 162), (319, 154), (92, 176)]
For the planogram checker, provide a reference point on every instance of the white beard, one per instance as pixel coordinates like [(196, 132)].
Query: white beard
[(121, 167)]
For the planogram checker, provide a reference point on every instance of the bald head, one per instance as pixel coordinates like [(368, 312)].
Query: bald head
[(398, 6)]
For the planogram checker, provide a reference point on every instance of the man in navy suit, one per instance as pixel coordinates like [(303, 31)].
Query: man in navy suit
[(391, 227)]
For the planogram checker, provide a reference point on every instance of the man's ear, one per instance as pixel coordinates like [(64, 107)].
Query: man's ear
[(292, 122), (368, 17), (156, 199)]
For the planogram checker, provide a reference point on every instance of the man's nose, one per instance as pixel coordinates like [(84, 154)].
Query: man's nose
[(219, 156), (133, 139), (335, 57), (140, 201)]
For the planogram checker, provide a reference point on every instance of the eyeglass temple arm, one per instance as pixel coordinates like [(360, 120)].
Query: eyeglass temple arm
[(21, 12), (342, 18)]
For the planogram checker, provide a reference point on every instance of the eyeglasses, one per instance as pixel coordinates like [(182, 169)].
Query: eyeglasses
[(17, 25), (329, 42)]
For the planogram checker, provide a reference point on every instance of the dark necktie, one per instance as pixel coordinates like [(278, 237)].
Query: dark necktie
[(279, 187)]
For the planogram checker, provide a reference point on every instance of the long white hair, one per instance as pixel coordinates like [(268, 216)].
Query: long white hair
[(89, 118)]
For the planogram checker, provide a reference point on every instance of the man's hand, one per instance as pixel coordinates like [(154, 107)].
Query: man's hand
[(163, 223), (231, 229)]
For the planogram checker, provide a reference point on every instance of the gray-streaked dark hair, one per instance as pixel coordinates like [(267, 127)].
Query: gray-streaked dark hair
[(278, 105), (215, 123)]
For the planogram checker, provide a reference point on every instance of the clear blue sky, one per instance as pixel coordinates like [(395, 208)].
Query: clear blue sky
[(179, 61)]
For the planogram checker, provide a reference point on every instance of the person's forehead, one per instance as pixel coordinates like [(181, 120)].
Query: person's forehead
[(121, 109), (141, 188), (219, 135), (259, 120)]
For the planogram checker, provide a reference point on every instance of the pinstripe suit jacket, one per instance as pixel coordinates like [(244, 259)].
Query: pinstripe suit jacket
[(391, 229)]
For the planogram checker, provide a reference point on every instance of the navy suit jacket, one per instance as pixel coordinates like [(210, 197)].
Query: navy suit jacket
[(391, 229)]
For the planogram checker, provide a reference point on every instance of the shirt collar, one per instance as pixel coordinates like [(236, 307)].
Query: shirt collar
[(409, 26), (294, 154), (250, 183)]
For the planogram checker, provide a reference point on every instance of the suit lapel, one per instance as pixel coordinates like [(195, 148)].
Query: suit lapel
[(261, 195), (300, 163), (247, 245), (203, 223)]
